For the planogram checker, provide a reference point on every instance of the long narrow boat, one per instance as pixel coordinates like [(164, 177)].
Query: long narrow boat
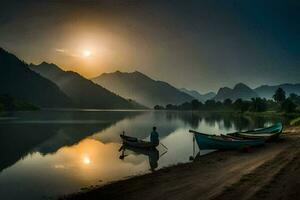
[(139, 151), (278, 127), (206, 141), (135, 142), (267, 134)]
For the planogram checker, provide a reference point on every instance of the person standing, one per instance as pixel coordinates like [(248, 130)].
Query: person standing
[(154, 138)]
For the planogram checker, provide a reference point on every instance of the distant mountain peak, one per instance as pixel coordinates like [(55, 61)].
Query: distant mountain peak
[(138, 72), (27, 85), (241, 85), (83, 92), (122, 73), (267, 91), (141, 88), (3, 50), (47, 67), (240, 90), (44, 63), (199, 96), (135, 74), (224, 89)]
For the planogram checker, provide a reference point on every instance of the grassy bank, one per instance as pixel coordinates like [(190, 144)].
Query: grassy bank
[(272, 113), (295, 122)]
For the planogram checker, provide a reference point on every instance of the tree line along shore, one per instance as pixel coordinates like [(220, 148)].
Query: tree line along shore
[(279, 104)]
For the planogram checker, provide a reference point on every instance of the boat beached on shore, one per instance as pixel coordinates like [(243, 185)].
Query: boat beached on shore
[(268, 134), (238, 140), (206, 141)]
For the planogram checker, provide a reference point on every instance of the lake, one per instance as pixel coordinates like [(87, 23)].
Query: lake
[(45, 154)]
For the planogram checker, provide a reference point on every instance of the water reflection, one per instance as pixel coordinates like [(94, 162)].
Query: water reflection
[(152, 154), (50, 153), (28, 132)]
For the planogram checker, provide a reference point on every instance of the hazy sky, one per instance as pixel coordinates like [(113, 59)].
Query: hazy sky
[(197, 44)]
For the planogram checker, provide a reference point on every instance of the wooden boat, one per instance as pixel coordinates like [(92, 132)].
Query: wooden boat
[(267, 134), (278, 127), (206, 141), (135, 142), (138, 150)]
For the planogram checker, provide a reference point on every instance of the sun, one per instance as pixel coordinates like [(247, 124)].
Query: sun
[(86, 53), (86, 160)]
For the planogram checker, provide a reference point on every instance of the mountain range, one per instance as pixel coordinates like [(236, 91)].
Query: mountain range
[(244, 92), (19, 81), (47, 85), (238, 91), (83, 92), (141, 88), (266, 91), (198, 96)]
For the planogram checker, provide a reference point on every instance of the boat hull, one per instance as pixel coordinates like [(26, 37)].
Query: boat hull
[(276, 128), (268, 134), (205, 141), (134, 142)]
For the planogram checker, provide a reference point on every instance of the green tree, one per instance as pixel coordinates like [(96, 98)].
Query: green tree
[(279, 95), (158, 107), (241, 105), (185, 106), (171, 107), (195, 104), (288, 106), (227, 102), (258, 104), (219, 104), (295, 98), (210, 104)]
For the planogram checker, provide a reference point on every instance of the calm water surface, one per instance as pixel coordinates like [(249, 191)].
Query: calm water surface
[(46, 154)]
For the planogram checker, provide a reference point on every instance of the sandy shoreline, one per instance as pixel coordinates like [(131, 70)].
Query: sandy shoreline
[(259, 174)]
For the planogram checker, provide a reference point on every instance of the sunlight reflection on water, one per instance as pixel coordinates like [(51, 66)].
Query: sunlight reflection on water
[(59, 152)]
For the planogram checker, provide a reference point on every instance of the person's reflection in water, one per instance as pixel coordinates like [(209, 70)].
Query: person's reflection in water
[(153, 159), (153, 155)]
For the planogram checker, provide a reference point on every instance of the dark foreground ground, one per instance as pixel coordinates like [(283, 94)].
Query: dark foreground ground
[(268, 172)]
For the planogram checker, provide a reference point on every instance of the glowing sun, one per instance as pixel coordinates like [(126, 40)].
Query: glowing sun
[(86, 53), (86, 160)]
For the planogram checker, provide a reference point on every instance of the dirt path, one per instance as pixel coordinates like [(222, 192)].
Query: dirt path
[(220, 175), (250, 185), (278, 178), (285, 185)]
